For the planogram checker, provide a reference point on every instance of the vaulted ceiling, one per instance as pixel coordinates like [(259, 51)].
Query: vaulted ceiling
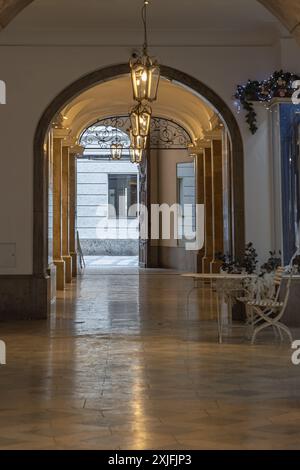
[(115, 98), (216, 12), (288, 12)]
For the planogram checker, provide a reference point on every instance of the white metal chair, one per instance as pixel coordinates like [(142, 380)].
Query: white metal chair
[(258, 291), (269, 312)]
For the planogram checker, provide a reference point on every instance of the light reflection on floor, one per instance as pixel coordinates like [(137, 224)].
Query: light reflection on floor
[(111, 261), (121, 366)]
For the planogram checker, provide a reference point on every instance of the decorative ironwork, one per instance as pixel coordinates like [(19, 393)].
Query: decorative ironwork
[(165, 134), (103, 134)]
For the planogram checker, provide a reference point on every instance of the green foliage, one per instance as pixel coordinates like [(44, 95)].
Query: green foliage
[(273, 263), (279, 85), (247, 264)]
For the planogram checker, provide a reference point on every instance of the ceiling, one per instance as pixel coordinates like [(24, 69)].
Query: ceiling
[(110, 20), (115, 98)]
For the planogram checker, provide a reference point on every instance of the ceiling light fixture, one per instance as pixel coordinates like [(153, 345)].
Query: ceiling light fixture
[(116, 148), (140, 118), (137, 147), (145, 76), (145, 71), (136, 155), (138, 141)]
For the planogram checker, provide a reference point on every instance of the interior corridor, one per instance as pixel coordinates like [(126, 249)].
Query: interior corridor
[(119, 366)]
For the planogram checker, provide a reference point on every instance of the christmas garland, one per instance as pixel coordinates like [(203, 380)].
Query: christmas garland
[(279, 85)]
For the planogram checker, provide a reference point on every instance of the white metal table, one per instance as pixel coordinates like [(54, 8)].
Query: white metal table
[(224, 285)]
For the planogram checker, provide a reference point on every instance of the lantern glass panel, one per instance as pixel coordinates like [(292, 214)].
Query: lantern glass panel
[(144, 123), (134, 118), (140, 120), (153, 82), (136, 155), (138, 142), (116, 151), (140, 80)]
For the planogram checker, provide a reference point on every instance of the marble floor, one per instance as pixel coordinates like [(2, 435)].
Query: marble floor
[(119, 366)]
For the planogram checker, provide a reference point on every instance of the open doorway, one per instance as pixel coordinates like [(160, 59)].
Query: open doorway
[(107, 197)]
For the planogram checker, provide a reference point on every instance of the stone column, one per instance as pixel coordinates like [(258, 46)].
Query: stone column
[(198, 154), (73, 210), (208, 201), (66, 214), (57, 212), (52, 267), (217, 192), (227, 194), (75, 151)]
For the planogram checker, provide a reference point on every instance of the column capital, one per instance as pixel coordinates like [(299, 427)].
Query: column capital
[(70, 141), (77, 150), (216, 123), (194, 150), (60, 133), (59, 121), (215, 134), (202, 144), (59, 130)]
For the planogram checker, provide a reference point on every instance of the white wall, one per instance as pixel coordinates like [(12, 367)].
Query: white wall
[(167, 183), (92, 201), (35, 75), (258, 186)]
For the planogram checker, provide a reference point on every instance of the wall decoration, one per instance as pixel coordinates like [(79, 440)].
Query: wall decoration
[(279, 85)]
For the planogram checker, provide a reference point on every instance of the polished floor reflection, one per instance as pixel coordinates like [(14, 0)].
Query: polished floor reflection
[(121, 367), (111, 261)]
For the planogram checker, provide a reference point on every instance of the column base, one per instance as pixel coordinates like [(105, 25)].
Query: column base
[(52, 274), (60, 274), (199, 262), (74, 264), (68, 268), (215, 267), (206, 265), (24, 297)]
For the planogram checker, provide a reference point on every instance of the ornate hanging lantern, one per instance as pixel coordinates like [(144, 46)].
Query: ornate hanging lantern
[(137, 147), (136, 155), (138, 141), (145, 71), (116, 148), (140, 118)]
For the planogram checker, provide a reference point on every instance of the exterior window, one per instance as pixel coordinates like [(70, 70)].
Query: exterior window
[(186, 198), (122, 194), (286, 178)]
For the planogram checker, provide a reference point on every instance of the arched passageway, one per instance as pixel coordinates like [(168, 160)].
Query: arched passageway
[(105, 75), (122, 362)]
